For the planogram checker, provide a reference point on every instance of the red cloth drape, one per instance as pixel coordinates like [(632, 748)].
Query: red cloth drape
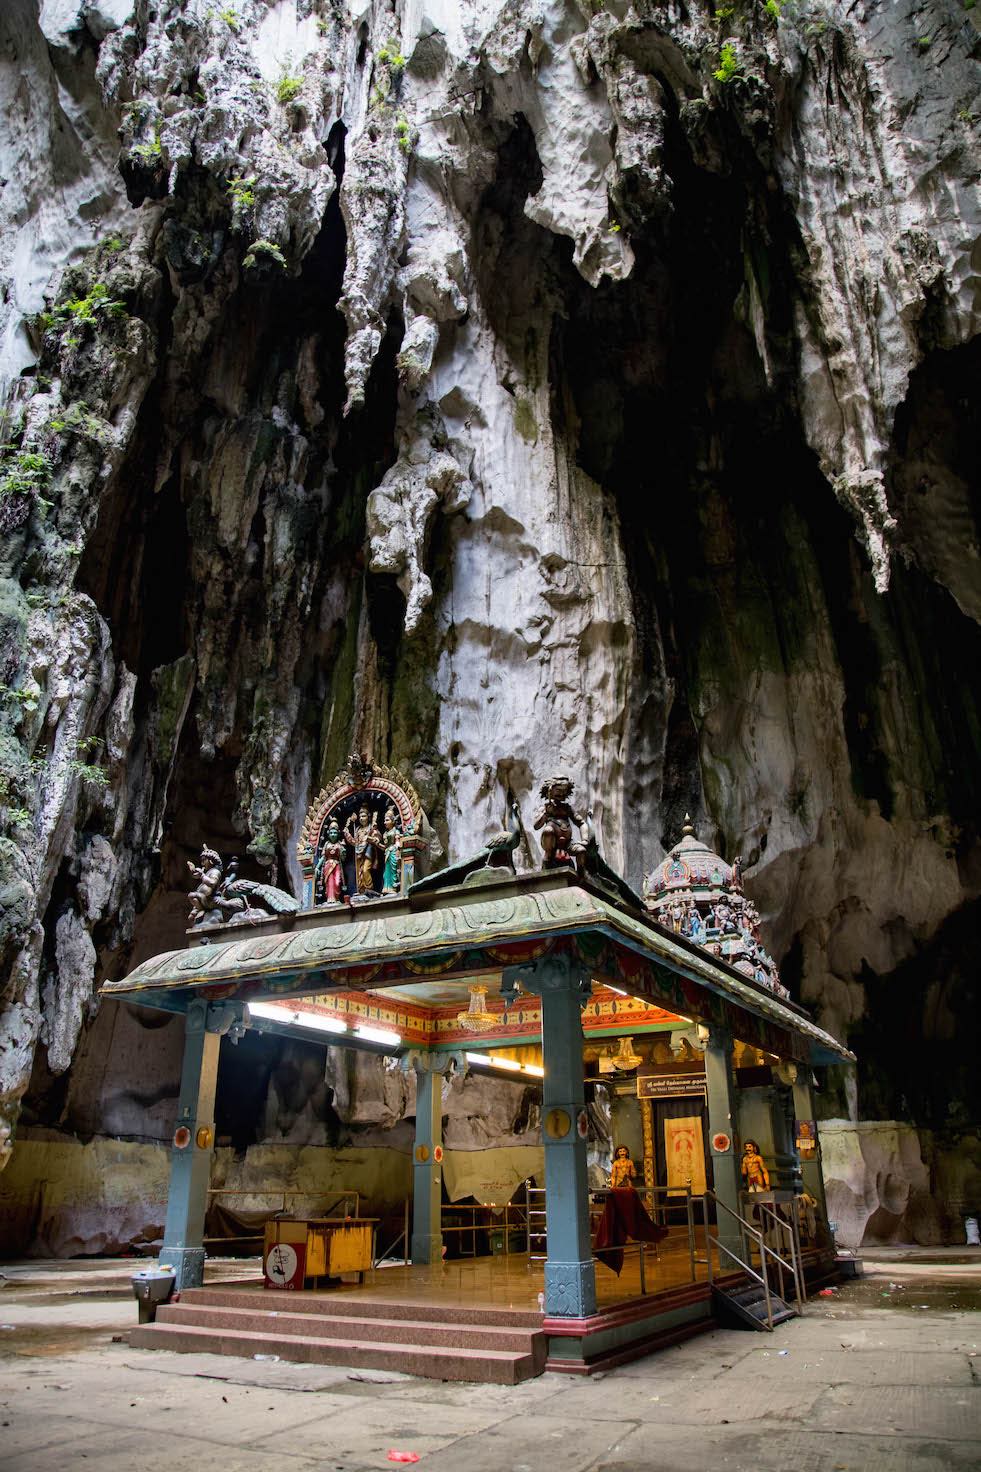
[(624, 1217)]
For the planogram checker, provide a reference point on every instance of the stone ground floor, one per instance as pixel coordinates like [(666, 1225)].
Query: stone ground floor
[(882, 1374)]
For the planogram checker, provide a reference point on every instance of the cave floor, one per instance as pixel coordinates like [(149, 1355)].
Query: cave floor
[(882, 1374)]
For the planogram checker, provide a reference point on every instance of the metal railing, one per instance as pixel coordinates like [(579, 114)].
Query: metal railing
[(403, 1239), (750, 1234)]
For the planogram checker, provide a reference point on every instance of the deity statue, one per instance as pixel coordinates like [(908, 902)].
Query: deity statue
[(222, 897), (555, 818), (623, 1172), (210, 872), (678, 914), (755, 1175), (329, 872), (363, 836), (391, 840)]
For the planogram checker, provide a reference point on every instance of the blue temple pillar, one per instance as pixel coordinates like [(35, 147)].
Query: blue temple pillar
[(723, 1123), (811, 1167), (570, 1275), (786, 1175), (427, 1167), (194, 1138)]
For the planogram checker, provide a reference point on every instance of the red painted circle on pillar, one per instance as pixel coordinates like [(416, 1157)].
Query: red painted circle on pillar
[(182, 1137), (437, 1153), (721, 1143)]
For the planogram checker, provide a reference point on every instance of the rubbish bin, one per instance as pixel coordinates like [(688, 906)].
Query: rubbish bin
[(153, 1286)]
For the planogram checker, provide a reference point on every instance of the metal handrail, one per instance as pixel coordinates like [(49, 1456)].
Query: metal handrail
[(764, 1250), (403, 1237), (797, 1266)]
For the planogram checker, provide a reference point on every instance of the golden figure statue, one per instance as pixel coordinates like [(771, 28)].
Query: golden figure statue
[(623, 1172), (363, 836), (756, 1177)]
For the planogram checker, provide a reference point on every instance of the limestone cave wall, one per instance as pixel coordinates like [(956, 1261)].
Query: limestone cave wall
[(492, 386)]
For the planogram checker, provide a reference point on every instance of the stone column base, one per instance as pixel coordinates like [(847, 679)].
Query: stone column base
[(187, 1263), (570, 1289), (427, 1249)]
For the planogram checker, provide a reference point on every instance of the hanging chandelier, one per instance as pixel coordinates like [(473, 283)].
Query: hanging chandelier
[(477, 1018), (625, 1058)]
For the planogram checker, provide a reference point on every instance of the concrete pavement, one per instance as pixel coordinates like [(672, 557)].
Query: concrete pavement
[(883, 1374)]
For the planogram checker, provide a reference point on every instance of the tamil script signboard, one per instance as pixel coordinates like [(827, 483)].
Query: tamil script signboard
[(670, 1085)]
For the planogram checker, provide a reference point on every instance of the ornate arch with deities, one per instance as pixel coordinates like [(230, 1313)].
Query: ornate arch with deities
[(361, 778)]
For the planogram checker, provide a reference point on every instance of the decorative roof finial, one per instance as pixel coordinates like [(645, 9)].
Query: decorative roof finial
[(688, 831)]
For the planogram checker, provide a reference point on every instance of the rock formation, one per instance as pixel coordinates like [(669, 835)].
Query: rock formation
[(466, 380)]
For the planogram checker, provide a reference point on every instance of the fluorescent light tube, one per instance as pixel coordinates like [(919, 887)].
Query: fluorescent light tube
[(379, 1035), (297, 1017)]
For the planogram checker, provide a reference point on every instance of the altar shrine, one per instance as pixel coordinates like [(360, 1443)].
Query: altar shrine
[(561, 975)]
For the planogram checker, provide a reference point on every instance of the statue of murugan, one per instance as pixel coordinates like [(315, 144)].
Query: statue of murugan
[(363, 836)]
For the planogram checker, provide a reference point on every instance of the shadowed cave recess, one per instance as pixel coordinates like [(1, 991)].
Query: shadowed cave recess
[(474, 413)]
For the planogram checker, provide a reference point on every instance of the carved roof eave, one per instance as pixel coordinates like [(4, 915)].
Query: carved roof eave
[(464, 926)]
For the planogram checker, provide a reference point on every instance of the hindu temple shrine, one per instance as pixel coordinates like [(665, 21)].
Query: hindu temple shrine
[(671, 1074)]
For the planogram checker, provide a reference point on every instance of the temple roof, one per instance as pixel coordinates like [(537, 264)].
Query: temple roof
[(463, 932), (691, 864)]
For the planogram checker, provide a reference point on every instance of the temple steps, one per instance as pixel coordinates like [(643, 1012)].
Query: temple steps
[(441, 1343), (745, 1308), (332, 1304)]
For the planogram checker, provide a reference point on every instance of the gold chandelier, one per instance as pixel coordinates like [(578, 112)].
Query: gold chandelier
[(625, 1058), (476, 1018)]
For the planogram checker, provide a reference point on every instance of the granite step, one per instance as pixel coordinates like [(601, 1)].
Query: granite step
[(332, 1304), (488, 1366), (350, 1327)]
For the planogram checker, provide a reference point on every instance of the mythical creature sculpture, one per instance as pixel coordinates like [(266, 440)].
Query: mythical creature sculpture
[(222, 895)]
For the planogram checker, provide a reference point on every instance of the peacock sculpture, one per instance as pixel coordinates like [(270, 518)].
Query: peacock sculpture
[(497, 853)]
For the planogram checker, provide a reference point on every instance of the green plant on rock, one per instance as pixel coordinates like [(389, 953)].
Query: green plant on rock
[(82, 309), (231, 18), (87, 772), (391, 56), (19, 817), (288, 89), (149, 153), (264, 252), (728, 67), (725, 12), (403, 133), (22, 699), (80, 766), (24, 477), (241, 191), (79, 419), (773, 8)]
